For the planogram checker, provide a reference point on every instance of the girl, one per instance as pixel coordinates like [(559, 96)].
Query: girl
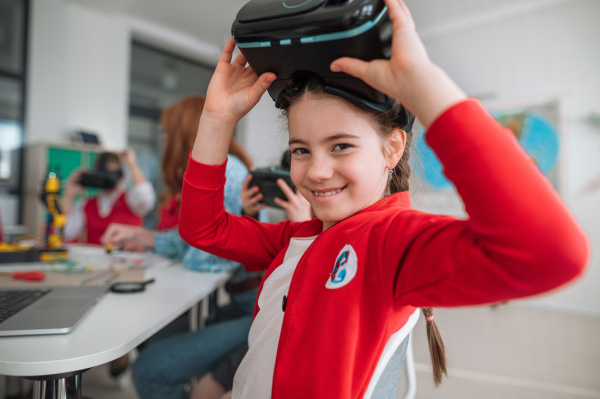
[(113, 205), (341, 292)]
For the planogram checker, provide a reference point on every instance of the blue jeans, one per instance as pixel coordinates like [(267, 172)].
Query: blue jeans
[(167, 364)]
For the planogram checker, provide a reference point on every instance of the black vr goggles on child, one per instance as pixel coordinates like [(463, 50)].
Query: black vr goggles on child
[(100, 177), (291, 36)]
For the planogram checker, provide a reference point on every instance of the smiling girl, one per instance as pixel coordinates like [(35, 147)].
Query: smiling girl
[(341, 292)]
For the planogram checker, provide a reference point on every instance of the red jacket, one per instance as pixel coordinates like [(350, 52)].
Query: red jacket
[(519, 240), (96, 224)]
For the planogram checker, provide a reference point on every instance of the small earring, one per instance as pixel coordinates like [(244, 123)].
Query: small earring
[(391, 172)]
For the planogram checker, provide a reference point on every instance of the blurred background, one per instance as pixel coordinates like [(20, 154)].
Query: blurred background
[(109, 67)]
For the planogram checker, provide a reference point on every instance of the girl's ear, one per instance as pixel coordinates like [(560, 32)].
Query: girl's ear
[(395, 147)]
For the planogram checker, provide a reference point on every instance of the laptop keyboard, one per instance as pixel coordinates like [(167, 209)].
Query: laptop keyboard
[(12, 301)]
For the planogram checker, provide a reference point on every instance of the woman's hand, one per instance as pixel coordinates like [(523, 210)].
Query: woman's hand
[(128, 158), (73, 187), (297, 207), (409, 76), (234, 88), (127, 237), (250, 198)]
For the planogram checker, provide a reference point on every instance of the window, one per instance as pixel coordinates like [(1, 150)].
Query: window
[(13, 51), (158, 79)]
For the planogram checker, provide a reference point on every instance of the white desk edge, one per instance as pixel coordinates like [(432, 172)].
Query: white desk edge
[(114, 326)]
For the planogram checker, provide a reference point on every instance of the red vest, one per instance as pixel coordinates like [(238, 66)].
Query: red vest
[(96, 224), (169, 213)]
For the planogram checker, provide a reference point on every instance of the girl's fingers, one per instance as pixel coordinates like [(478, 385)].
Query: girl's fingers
[(351, 66), (246, 182), (255, 198), (240, 60), (287, 191), (284, 204), (398, 11), (227, 51), (260, 86)]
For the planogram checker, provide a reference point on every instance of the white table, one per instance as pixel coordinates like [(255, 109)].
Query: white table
[(116, 325)]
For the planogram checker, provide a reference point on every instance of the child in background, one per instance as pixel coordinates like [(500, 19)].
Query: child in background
[(296, 207), (116, 205), (172, 356), (342, 291)]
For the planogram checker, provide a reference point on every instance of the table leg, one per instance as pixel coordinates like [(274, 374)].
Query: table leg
[(64, 386), (193, 318)]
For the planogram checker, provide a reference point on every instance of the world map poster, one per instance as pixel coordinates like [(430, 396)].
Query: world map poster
[(536, 127)]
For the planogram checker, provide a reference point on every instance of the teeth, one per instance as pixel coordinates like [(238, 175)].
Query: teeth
[(328, 193)]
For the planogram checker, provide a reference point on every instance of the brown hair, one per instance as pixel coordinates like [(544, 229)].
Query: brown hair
[(384, 123), (180, 123), (105, 158)]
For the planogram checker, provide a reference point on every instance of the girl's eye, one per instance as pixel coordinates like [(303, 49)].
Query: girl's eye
[(300, 151), (341, 147)]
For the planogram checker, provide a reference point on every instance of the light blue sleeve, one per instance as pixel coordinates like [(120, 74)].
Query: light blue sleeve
[(168, 243), (193, 258)]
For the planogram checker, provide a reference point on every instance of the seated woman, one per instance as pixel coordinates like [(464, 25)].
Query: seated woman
[(174, 355), (113, 205)]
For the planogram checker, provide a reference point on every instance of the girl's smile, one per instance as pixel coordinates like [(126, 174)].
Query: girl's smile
[(338, 163)]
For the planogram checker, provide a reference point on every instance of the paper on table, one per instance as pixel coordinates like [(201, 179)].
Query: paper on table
[(85, 263), (56, 279)]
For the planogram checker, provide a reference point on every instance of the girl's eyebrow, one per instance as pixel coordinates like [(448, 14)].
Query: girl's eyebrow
[(335, 137)]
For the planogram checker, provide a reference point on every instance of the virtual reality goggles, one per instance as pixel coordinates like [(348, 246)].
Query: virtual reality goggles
[(287, 37), (100, 178)]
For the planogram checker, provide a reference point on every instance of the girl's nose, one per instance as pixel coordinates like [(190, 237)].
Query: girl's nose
[(319, 169)]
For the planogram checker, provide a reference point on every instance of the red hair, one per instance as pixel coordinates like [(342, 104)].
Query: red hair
[(180, 123)]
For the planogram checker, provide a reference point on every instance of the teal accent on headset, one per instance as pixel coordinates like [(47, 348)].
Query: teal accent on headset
[(254, 44), (297, 5), (325, 37), (346, 34)]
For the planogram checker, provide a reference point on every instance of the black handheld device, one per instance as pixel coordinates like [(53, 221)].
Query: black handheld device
[(266, 180)]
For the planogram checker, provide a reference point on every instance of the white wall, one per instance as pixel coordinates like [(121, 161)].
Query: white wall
[(78, 74)]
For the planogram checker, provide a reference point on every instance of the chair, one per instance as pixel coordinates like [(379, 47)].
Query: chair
[(410, 374)]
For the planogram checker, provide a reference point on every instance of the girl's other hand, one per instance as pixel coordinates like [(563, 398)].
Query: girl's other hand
[(297, 207), (250, 198), (234, 88), (408, 54), (409, 76)]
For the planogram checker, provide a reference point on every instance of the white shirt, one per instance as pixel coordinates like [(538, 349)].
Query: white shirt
[(254, 377), (139, 198)]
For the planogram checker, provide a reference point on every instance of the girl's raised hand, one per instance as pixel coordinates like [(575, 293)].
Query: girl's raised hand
[(234, 88), (409, 76)]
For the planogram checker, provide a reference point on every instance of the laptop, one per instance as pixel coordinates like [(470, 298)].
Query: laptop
[(45, 310)]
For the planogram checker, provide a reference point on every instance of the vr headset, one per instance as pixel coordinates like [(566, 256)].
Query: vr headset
[(266, 180), (287, 37), (100, 177)]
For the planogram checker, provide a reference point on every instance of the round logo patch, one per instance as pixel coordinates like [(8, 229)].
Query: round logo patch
[(344, 269)]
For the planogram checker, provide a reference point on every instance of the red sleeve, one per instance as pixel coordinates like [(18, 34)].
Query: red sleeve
[(519, 239), (204, 223)]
